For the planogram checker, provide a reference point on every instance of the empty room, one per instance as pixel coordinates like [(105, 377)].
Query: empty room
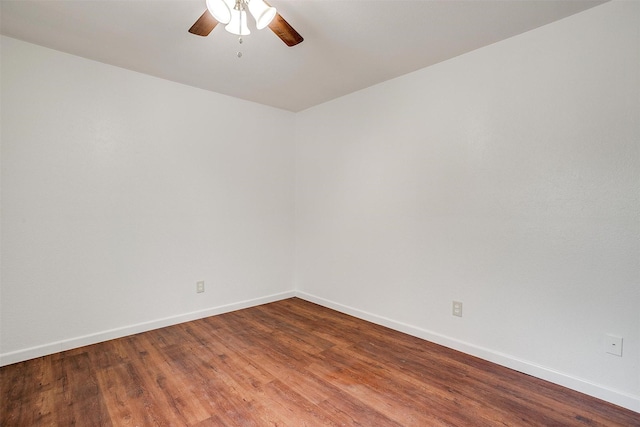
[(320, 212)]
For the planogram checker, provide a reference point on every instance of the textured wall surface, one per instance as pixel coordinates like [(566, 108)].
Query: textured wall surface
[(120, 191), (508, 179)]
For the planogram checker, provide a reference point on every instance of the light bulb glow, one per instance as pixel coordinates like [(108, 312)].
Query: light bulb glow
[(262, 13), (220, 10), (238, 23)]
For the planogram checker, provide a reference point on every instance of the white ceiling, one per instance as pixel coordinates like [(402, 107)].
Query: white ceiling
[(349, 44)]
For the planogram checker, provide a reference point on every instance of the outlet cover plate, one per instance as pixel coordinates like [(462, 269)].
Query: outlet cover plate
[(613, 345), (200, 287), (457, 308)]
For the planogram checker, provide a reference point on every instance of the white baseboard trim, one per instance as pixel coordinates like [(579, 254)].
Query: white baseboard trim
[(58, 346), (616, 397)]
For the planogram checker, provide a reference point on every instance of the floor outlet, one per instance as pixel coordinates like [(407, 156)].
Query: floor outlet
[(200, 287), (457, 308)]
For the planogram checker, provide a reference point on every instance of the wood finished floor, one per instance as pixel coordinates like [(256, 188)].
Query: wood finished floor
[(288, 363)]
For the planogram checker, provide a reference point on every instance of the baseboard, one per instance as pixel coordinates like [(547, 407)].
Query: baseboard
[(58, 346), (583, 386)]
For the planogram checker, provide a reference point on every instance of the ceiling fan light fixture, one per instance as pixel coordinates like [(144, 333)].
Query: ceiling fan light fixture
[(238, 23), (233, 14), (220, 10), (262, 13)]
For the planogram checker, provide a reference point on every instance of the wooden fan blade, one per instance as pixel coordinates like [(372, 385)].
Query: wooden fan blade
[(204, 25), (285, 31)]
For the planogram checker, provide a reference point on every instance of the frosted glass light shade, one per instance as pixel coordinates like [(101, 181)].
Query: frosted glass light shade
[(262, 13), (238, 23), (220, 10)]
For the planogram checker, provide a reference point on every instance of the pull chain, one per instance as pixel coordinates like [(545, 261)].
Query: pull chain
[(240, 4)]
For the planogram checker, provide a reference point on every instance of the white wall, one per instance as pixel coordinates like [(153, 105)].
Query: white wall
[(508, 179), (120, 191)]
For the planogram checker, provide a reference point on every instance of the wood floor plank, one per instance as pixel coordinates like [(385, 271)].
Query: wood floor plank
[(406, 406), (26, 400), (172, 391), (293, 363), (440, 382)]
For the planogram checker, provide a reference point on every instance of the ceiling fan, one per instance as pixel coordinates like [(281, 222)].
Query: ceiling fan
[(233, 13)]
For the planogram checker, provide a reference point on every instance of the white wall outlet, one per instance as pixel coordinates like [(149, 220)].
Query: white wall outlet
[(613, 345), (200, 286), (457, 308)]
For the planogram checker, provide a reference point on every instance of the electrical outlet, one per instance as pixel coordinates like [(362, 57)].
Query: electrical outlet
[(200, 286), (613, 345), (457, 308)]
